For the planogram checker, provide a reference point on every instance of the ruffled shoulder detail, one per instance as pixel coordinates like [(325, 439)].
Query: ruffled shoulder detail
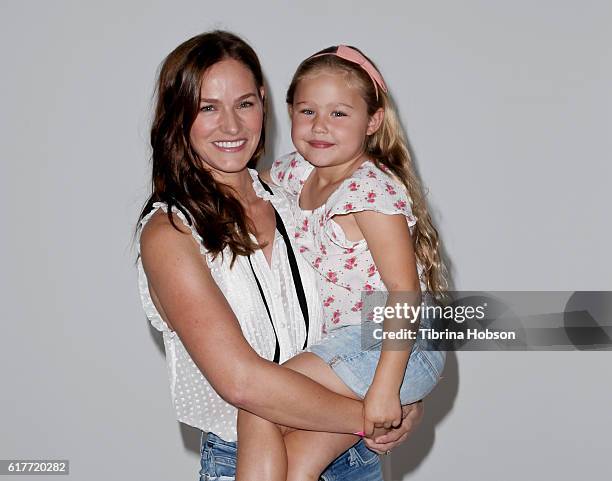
[(370, 188), (290, 172), (259, 188), (279, 199)]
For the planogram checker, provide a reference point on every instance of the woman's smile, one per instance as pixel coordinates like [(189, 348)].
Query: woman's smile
[(227, 129), (230, 146)]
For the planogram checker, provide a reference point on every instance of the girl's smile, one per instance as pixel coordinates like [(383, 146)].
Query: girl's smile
[(318, 144)]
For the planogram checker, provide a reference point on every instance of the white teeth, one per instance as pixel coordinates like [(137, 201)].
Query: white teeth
[(230, 145)]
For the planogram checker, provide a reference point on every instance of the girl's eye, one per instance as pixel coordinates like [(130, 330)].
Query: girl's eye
[(246, 104), (306, 112), (207, 108), (337, 113)]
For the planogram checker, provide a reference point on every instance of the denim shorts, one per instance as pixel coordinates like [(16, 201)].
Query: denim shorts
[(355, 365), (218, 461)]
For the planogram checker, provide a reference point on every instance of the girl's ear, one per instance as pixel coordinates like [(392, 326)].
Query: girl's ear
[(290, 110), (375, 121)]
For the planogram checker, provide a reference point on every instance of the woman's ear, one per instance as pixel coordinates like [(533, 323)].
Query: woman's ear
[(375, 121), (262, 93)]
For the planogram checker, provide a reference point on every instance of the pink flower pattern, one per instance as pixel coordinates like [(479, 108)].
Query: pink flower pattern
[(332, 276), (346, 268), (327, 302), (350, 263), (372, 270)]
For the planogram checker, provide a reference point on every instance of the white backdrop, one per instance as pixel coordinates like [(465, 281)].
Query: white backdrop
[(507, 106)]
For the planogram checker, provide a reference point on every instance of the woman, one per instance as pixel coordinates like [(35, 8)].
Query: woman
[(217, 276)]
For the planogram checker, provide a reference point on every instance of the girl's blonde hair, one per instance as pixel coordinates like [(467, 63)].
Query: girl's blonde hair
[(388, 149)]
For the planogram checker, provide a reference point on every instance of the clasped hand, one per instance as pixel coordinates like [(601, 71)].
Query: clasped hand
[(383, 440)]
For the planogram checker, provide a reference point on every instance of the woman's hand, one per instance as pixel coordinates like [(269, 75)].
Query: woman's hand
[(412, 415)]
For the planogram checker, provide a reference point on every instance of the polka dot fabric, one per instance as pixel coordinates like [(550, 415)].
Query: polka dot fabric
[(195, 401)]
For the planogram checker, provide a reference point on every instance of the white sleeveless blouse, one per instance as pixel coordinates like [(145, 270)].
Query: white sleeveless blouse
[(195, 401)]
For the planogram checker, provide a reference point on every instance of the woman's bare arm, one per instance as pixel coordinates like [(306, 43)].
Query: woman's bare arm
[(201, 316)]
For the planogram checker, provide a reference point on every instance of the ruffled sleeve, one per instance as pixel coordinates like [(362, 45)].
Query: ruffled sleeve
[(278, 198), (371, 189), (290, 172)]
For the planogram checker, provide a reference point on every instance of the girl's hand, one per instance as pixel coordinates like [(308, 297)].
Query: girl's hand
[(382, 409), (413, 415)]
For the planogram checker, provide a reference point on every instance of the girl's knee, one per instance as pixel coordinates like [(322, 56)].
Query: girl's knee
[(303, 472)]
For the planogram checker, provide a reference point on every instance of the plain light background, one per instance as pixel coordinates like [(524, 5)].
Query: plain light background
[(508, 110)]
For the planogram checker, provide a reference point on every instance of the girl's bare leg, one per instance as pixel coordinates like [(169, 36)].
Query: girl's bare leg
[(310, 452), (261, 450), (268, 452), (262, 453)]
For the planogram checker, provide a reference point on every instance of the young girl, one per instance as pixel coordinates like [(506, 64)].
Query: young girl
[(363, 225)]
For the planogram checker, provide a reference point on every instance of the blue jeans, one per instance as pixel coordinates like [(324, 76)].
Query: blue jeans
[(218, 460)]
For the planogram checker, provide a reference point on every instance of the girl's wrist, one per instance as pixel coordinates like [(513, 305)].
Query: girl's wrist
[(385, 387)]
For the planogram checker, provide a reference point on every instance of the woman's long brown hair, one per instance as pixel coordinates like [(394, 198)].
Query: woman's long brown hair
[(179, 178)]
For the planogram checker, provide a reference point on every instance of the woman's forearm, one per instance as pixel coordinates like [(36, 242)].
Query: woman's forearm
[(289, 398)]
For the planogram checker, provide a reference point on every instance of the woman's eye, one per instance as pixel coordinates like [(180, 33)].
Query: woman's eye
[(337, 113), (207, 108), (246, 104)]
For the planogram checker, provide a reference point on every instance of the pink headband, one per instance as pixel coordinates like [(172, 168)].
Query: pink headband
[(347, 53)]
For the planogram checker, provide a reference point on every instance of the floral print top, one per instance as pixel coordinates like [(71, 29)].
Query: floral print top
[(346, 268)]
